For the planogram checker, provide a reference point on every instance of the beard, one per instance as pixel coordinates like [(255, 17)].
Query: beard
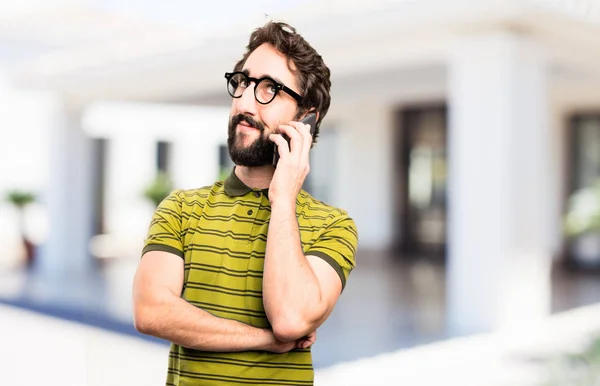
[(258, 153)]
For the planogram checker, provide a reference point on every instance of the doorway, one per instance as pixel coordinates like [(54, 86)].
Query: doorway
[(421, 182), (583, 248)]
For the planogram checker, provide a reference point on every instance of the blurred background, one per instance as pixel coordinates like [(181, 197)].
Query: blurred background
[(463, 138)]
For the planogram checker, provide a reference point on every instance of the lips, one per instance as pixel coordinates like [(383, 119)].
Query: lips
[(245, 124)]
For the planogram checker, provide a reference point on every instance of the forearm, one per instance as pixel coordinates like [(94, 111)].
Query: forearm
[(171, 318), (291, 292)]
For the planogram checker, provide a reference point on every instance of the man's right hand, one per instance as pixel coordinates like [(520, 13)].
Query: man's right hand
[(307, 341), (279, 347)]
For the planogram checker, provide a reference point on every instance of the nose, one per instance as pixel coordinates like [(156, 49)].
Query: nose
[(247, 102)]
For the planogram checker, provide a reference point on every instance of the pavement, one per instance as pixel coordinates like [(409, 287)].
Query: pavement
[(37, 349)]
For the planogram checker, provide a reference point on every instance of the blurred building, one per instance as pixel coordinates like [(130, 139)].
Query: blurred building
[(458, 131)]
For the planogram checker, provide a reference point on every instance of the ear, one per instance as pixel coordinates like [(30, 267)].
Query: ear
[(311, 110)]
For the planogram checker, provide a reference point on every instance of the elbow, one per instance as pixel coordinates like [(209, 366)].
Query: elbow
[(141, 325), (142, 320), (150, 313), (289, 332), (292, 329), (292, 325)]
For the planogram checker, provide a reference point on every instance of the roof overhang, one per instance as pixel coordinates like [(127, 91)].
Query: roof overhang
[(363, 38)]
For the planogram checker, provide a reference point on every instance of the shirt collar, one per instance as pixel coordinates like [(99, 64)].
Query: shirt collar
[(235, 187)]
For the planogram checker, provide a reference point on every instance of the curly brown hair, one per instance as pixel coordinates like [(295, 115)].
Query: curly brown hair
[(312, 74)]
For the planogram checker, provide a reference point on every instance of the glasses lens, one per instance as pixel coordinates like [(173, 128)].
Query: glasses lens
[(236, 85), (266, 91)]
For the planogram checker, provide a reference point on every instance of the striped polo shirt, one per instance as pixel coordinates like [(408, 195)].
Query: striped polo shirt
[(221, 232)]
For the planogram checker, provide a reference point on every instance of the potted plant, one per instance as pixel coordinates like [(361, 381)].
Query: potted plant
[(20, 199), (159, 188), (582, 225), (581, 367)]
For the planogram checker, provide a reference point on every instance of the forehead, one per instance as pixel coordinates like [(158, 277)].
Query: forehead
[(267, 61)]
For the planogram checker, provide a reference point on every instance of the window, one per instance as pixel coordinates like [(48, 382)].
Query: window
[(225, 162), (163, 153), (323, 166), (421, 170), (584, 246)]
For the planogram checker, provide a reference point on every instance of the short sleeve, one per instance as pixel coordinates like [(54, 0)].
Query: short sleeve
[(164, 233), (337, 246)]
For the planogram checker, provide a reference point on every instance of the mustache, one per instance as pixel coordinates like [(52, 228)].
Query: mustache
[(248, 119)]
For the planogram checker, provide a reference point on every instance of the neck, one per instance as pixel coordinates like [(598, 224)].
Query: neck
[(258, 177)]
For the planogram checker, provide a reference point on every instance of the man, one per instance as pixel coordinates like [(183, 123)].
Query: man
[(240, 274)]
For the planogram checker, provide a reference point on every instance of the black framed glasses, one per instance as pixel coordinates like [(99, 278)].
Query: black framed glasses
[(265, 89)]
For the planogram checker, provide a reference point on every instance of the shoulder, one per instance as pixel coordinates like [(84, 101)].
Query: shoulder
[(310, 204), (311, 208), (187, 200), (196, 194), (199, 195), (335, 237)]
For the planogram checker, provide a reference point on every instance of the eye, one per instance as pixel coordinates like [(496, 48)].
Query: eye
[(238, 81), (270, 88)]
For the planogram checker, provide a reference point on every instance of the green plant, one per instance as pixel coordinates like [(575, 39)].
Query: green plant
[(583, 215), (581, 368), (224, 172), (159, 188), (20, 199)]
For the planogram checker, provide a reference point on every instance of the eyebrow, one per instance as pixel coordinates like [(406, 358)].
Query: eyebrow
[(245, 71)]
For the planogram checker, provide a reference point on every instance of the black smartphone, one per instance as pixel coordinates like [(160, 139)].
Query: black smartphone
[(310, 119)]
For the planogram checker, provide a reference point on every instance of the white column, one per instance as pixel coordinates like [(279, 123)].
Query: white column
[(10, 150), (499, 249), (195, 158), (193, 131), (67, 197), (131, 166), (364, 184)]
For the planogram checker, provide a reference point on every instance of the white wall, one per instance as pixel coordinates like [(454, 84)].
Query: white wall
[(132, 131), (364, 182), (68, 196), (24, 120), (500, 205), (362, 111)]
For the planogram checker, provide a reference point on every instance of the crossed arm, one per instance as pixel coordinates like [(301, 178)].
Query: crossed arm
[(299, 292), (160, 311)]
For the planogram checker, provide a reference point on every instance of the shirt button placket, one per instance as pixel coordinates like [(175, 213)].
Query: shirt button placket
[(257, 194)]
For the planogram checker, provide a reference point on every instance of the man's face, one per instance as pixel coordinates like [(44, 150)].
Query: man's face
[(251, 123)]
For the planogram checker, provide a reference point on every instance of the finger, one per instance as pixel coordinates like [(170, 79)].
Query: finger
[(304, 130), (282, 146), (296, 139), (308, 340), (308, 138), (307, 344)]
